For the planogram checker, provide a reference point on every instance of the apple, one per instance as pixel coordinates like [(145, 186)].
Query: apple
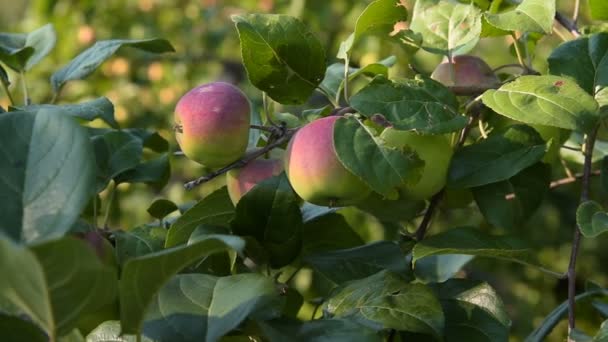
[(314, 170), (466, 71), (240, 181), (434, 150), (214, 124)]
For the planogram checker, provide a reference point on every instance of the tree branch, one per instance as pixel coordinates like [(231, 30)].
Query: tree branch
[(576, 240), (567, 24)]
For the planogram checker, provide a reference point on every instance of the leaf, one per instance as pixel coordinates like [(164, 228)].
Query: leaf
[(473, 311), (560, 312), (472, 241), (100, 108), (598, 9), (387, 210), (115, 152), (87, 61), (340, 266), (155, 172), (439, 268), (419, 104), (215, 209), (311, 211), (386, 301), (604, 173), (545, 100), (17, 329), (48, 174), (591, 219), (528, 16), (138, 241), (378, 18), (319, 235), (200, 307), (23, 288), (161, 208), (447, 28), (21, 51), (78, 282), (497, 158), (602, 334), (380, 167), (110, 331), (584, 60), (320, 330), (270, 213), (142, 277), (282, 57), (4, 77), (507, 204)]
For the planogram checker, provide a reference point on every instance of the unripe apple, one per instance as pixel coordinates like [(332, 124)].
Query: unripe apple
[(466, 71), (214, 120), (240, 181), (313, 168), (434, 150)]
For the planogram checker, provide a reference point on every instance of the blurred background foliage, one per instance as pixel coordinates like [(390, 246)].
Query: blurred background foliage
[(145, 88)]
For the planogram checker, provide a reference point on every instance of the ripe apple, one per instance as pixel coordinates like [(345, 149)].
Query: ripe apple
[(240, 181), (466, 71), (434, 150), (313, 168), (214, 120)]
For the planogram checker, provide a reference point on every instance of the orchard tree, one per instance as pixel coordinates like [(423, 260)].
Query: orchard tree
[(402, 150)]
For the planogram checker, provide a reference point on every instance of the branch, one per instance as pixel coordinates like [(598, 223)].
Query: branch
[(567, 24), (576, 240), (568, 180)]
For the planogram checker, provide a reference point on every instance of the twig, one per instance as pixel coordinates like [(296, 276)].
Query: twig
[(241, 162), (263, 128), (340, 111), (26, 98), (520, 57), (577, 149), (568, 180), (577, 7), (345, 82), (585, 190), (567, 24), (436, 199)]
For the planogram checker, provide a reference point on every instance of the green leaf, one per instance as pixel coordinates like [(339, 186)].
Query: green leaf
[(142, 277), (419, 104), (584, 60), (560, 312), (155, 172), (507, 204), (4, 77), (78, 282), (472, 241), (282, 57), (387, 210), (528, 16), (378, 18), (473, 311), (340, 266), (447, 28), (312, 211), (439, 268), (497, 158), (604, 173), (17, 329), (598, 9), (215, 209), (602, 334), (87, 61), (319, 235), (110, 331), (270, 213), (320, 330), (161, 208), (381, 168), (21, 51), (591, 219), (115, 152), (48, 174), (100, 108), (545, 100), (138, 241), (200, 307), (23, 288), (386, 301)]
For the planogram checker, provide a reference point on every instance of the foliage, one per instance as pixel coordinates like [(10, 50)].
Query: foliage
[(99, 241)]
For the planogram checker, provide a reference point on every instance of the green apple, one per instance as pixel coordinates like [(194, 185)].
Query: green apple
[(313, 168), (240, 181), (434, 150), (213, 122)]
